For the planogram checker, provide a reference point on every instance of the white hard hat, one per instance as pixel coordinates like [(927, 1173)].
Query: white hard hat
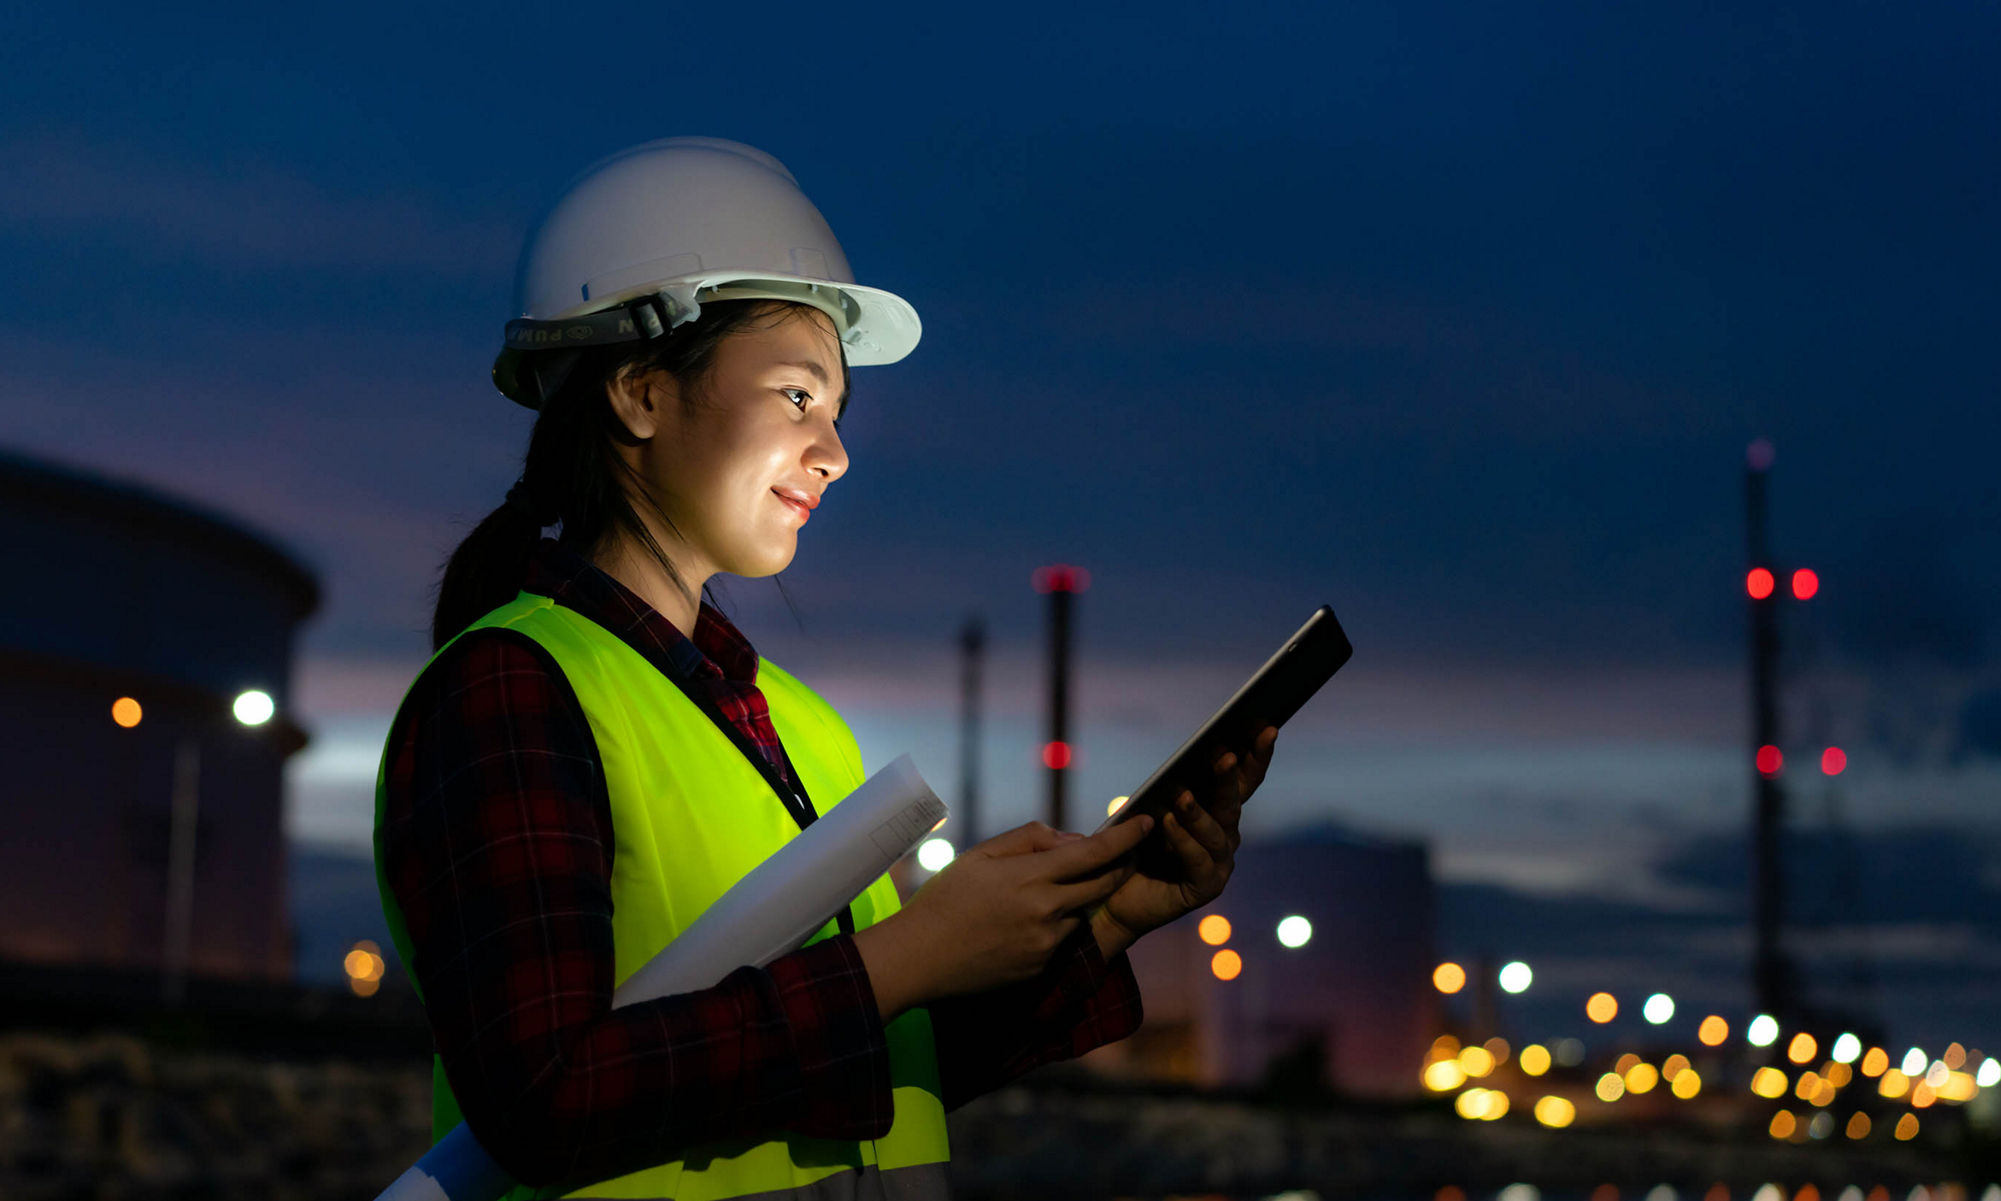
[(639, 240)]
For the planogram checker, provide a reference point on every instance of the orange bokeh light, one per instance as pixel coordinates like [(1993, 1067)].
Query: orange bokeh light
[(1601, 1008), (1227, 964), (1713, 1031), (1448, 977), (126, 712), (1214, 929)]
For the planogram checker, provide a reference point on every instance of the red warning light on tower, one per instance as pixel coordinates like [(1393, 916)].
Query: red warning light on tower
[(1833, 761), (1770, 760), (1759, 583), (1061, 578), (1805, 584), (1056, 754)]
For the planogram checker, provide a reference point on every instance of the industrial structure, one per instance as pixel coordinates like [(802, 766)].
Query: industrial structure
[(145, 670)]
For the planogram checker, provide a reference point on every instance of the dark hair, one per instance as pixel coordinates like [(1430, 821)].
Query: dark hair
[(572, 473)]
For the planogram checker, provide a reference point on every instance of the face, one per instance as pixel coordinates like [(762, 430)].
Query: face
[(762, 423)]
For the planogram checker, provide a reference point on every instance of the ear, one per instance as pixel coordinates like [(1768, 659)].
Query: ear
[(638, 398)]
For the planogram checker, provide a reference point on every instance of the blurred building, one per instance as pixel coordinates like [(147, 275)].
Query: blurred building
[(1351, 1007), (122, 594)]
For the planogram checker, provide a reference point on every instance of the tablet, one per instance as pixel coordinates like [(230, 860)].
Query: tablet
[(1270, 697)]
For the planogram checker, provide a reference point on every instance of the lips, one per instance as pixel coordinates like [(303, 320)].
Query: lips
[(804, 512)]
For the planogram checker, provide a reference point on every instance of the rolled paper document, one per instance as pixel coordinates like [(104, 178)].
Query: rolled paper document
[(770, 912)]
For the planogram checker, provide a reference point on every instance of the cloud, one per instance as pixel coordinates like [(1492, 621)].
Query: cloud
[(234, 214)]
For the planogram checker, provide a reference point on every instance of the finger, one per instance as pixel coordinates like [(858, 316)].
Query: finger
[(1205, 829), (1023, 839), (1196, 858), (1087, 855), (1090, 890)]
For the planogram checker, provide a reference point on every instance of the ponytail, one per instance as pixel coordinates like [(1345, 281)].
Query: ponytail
[(573, 475)]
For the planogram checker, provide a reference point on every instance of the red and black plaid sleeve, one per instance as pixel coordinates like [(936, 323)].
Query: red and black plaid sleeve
[(497, 844), (1078, 1002)]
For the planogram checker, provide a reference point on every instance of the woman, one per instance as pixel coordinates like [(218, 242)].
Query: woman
[(595, 753)]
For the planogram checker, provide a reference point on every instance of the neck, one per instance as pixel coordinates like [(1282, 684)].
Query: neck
[(637, 569)]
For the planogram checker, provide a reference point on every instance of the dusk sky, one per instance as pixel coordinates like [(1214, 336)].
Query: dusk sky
[(1458, 318)]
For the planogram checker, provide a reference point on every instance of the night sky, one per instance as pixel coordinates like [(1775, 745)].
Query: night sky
[(1458, 318)]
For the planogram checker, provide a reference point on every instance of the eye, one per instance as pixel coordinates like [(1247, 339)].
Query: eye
[(799, 392)]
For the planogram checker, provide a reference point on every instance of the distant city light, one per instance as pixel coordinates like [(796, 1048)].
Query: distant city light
[(1674, 1065), (1476, 1061), (1214, 929), (1226, 964), (1894, 1084), (1770, 759), (1876, 1062), (1601, 1008), (1294, 930), (1989, 1074), (1534, 1059), (1805, 584), (1803, 1048), (1713, 1031), (365, 967), (1060, 578), (1763, 1031), (1444, 1076), (1516, 977), (1658, 1009), (126, 712), (1114, 806), (1907, 1128), (1954, 1057), (1759, 455), (1555, 1112), (1056, 754), (934, 854), (1759, 583), (1641, 1078), (1687, 1083), (1769, 1082), (1847, 1049), (1611, 1086), (1783, 1124), (1833, 761), (1568, 1051), (1858, 1126), (1498, 1048), (254, 708), (1448, 978), (1914, 1062)]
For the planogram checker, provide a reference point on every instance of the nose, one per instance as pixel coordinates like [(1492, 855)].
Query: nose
[(826, 456)]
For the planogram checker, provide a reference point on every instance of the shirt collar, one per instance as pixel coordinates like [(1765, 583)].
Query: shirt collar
[(718, 651)]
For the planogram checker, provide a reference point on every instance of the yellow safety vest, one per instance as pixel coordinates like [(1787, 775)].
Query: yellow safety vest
[(691, 816)]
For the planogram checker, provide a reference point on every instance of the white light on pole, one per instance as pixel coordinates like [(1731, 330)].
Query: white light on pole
[(934, 855), (254, 707), (1294, 930), (1516, 977)]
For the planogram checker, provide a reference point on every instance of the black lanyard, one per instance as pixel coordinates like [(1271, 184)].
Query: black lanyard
[(794, 798)]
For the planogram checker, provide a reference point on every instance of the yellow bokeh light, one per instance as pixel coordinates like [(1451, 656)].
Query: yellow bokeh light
[(1958, 1086), (1803, 1048), (1497, 1105), (1824, 1095), (1114, 806), (1601, 1008), (1876, 1062), (1809, 1084), (1674, 1065), (1227, 964), (1443, 1047), (1448, 978), (1783, 1124), (1610, 1087), (1476, 1061), (126, 712), (1641, 1078), (1471, 1104), (1894, 1084), (1214, 929), (1858, 1126), (1713, 1031), (1444, 1076), (1687, 1083), (1555, 1112), (1769, 1082), (1534, 1059), (1922, 1095), (1907, 1127), (362, 986), (1837, 1074)]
